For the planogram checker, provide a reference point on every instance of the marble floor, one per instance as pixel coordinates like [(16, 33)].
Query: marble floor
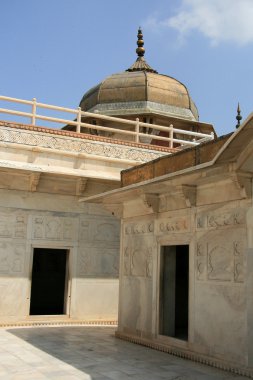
[(90, 353)]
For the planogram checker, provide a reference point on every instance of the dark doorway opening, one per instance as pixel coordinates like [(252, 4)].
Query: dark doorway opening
[(48, 281), (174, 291)]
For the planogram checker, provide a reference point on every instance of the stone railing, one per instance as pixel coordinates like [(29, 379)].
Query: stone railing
[(134, 128)]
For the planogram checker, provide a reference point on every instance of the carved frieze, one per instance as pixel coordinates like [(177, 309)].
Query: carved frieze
[(139, 228), (53, 228), (77, 145), (220, 219), (173, 225), (13, 225)]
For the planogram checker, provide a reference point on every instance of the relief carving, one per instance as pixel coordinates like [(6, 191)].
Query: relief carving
[(11, 258), (174, 225), (201, 260), (71, 144), (6, 227), (84, 233), (68, 229), (84, 264), (18, 259), (149, 262), (238, 262), (98, 262), (141, 228), (215, 220), (219, 263), (4, 258), (107, 232), (38, 232), (53, 229), (126, 262), (220, 256), (138, 262), (20, 227)]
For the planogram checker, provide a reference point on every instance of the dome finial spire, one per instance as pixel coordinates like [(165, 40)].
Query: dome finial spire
[(140, 49), (238, 117), (140, 64)]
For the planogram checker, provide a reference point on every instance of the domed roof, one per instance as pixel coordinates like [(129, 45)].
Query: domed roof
[(140, 90)]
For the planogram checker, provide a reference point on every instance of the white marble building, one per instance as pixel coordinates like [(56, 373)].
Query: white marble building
[(186, 259)]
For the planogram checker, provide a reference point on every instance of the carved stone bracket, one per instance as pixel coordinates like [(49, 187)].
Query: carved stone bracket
[(151, 201), (189, 194), (34, 181), (115, 208), (81, 185), (243, 183)]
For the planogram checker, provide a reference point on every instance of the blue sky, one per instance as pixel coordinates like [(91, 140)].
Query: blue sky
[(55, 50)]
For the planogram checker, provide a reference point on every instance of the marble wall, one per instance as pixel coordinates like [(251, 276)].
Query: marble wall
[(217, 236), (91, 237)]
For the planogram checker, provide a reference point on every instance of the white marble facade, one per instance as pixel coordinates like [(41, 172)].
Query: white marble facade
[(90, 235), (217, 239)]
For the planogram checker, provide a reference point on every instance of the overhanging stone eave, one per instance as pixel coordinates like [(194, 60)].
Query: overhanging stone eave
[(26, 168), (120, 194)]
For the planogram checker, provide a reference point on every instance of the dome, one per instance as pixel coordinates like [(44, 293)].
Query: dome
[(140, 90)]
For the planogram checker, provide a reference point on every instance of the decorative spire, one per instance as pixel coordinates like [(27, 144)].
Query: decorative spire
[(238, 117), (140, 49), (140, 64)]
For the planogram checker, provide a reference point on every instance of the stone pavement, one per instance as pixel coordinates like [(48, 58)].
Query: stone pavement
[(90, 353)]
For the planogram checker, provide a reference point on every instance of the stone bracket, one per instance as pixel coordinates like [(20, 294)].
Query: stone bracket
[(189, 193), (115, 208), (243, 183), (34, 179), (81, 185), (151, 201)]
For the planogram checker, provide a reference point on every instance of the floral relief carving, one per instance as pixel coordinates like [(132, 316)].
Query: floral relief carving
[(174, 225), (76, 145), (238, 261), (141, 228), (216, 220), (201, 260), (138, 262), (219, 265)]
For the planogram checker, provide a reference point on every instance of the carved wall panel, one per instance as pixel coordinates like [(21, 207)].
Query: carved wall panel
[(12, 258), (138, 261), (173, 224), (139, 228), (99, 231), (54, 228), (220, 256), (13, 225), (220, 218), (98, 262)]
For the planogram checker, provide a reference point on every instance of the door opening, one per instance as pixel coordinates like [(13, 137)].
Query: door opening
[(49, 279), (174, 291)]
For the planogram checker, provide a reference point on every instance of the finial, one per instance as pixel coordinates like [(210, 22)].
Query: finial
[(140, 64), (238, 117), (140, 49)]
